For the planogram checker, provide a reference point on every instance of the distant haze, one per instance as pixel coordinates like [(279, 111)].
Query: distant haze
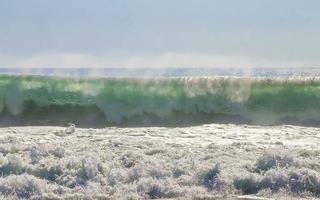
[(163, 33)]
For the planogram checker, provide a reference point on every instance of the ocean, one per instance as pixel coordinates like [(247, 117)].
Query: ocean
[(159, 97), (159, 133)]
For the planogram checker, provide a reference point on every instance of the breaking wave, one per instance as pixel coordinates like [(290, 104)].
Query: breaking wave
[(44, 100)]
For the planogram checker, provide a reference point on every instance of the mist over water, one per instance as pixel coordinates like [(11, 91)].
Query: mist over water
[(163, 72), (165, 101)]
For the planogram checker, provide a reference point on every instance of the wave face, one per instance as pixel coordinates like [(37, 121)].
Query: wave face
[(165, 101)]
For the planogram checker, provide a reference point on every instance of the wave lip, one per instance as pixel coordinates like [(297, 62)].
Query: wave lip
[(44, 100)]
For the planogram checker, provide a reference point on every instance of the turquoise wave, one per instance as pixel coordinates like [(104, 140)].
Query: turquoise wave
[(174, 101)]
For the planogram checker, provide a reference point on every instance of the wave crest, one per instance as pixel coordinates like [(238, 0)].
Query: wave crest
[(123, 101)]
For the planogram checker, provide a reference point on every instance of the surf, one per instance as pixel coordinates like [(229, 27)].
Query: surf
[(180, 101)]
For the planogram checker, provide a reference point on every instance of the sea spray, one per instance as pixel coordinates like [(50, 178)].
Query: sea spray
[(174, 101)]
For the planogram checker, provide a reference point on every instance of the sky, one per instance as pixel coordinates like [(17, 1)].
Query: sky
[(159, 33)]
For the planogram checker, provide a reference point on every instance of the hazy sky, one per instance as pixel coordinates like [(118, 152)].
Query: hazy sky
[(160, 33)]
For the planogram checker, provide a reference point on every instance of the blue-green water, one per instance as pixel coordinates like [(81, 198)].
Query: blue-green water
[(165, 101)]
